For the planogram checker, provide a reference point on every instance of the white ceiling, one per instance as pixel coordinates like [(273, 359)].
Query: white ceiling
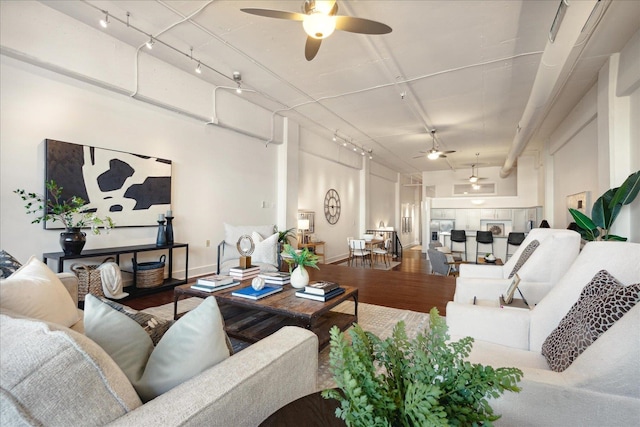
[(466, 68)]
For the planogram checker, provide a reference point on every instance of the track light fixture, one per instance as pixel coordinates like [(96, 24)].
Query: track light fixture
[(104, 23), (237, 77), (348, 143), (150, 43), (199, 68)]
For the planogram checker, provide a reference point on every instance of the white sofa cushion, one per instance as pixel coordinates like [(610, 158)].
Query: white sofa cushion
[(35, 291), (194, 343), (54, 376)]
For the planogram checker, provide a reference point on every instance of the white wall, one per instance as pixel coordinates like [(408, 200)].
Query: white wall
[(579, 153), (216, 179), (320, 175), (597, 146)]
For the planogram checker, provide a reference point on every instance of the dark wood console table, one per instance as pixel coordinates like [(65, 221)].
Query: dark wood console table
[(170, 282)]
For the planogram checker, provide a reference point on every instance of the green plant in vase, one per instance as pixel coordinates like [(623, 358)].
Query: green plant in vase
[(283, 236), (71, 212), (425, 381), (300, 258), (606, 209)]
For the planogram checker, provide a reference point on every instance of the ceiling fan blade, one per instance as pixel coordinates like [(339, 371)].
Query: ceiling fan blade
[(311, 48), (361, 25), (442, 156), (448, 152), (280, 14)]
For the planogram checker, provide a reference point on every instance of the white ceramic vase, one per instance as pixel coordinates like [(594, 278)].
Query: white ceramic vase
[(299, 277)]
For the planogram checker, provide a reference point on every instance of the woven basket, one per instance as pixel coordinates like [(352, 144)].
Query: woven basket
[(149, 274), (89, 281)]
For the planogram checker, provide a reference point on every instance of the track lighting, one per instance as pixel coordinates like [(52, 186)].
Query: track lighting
[(150, 43), (237, 77), (104, 23), (199, 68)]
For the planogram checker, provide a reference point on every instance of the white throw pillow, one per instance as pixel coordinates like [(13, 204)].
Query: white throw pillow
[(233, 232), (266, 250), (194, 343), (35, 291)]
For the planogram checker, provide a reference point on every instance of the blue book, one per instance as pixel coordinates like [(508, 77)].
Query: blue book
[(251, 293)]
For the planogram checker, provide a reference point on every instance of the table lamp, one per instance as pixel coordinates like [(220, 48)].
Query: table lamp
[(303, 225)]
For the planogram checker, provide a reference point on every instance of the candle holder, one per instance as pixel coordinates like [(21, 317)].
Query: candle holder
[(161, 239), (169, 230)]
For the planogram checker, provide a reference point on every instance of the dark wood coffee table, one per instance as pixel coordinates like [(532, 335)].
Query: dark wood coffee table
[(252, 320), (309, 411)]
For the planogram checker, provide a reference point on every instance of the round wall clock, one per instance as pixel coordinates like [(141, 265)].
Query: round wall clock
[(332, 206)]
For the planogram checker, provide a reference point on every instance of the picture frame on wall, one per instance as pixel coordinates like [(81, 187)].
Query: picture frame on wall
[(132, 189), (497, 229), (578, 201)]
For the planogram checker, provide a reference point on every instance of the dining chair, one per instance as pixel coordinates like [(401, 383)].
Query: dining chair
[(358, 250), (483, 238), (440, 264), (459, 236), (382, 251), (349, 239), (513, 239)]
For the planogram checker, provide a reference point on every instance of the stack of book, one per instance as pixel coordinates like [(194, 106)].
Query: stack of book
[(214, 283), (240, 273), (276, 278), (320, 291), (251, 293)]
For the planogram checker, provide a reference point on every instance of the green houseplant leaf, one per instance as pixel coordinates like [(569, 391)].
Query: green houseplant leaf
[(424, 381), (627, 191), (585, 223)]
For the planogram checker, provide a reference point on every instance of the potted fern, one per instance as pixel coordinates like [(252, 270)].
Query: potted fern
[(413, 382)]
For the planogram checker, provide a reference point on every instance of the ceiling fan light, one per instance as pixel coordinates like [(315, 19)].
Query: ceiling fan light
[(433, 155), (324, 6), (318, 25), (473, 179)]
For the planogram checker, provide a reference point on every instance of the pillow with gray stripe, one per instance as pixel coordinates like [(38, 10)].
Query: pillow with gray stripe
[(524, 256)]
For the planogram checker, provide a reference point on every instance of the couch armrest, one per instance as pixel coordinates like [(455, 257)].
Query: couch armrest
[(243, 390), (505, 326), (482, 288), (479, 270), (70, 282)]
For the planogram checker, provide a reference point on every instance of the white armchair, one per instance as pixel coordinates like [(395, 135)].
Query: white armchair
[(545, 266), (600, 387)]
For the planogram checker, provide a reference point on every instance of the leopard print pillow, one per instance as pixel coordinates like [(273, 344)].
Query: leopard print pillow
[(524, 256), (602, 302)]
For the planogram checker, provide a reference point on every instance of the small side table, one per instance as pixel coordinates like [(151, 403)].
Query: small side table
[(314, 246), (309, 411)]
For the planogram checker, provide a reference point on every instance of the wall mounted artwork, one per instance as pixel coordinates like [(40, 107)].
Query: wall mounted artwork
[(579, 202), (130, 188)]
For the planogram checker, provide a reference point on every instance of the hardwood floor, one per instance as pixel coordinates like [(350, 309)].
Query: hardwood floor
[(407, 286)]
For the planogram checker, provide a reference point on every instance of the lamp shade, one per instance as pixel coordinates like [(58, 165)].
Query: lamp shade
[(303, 224)]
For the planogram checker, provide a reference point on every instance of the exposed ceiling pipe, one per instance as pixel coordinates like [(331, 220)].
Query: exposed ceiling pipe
[(558, 58)]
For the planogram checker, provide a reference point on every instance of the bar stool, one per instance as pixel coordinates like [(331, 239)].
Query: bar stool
[(485, 238), (459, 236), (513, 239)]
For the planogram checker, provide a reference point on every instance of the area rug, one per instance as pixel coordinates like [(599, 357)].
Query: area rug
[(373, 318), (376, 265)]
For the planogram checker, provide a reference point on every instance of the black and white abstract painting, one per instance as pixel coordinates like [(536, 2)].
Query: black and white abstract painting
[(132, 189)]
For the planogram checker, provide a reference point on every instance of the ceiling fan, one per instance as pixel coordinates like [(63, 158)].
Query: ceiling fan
[(434, 153), (319, 21), (474, 171)]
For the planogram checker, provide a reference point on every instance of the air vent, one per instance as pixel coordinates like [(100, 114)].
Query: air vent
[(484, 188)]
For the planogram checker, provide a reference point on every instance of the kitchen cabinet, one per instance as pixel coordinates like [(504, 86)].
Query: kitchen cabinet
[(519, 219), (503, 214), (473, 219), (443, 213)]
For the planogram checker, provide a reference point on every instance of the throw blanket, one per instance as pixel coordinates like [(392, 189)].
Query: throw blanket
[(111, 278)]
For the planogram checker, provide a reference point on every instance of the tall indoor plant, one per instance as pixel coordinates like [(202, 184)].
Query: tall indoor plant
[(424, 381), (71, 212), (301, 259), (606, 209)]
